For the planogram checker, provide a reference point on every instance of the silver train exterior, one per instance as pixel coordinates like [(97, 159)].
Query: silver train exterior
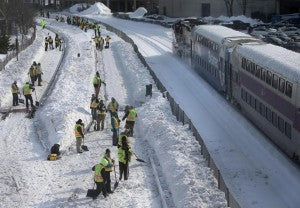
[(262, 79)]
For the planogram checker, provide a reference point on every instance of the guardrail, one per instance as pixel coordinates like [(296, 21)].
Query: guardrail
[(180, 116), (12, 54)]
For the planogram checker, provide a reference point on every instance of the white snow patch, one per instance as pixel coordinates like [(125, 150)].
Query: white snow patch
[(139, 13), (75, 8), (232, 18), (97, 8)]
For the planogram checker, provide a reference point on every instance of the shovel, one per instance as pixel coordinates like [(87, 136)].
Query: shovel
[(84, 147), (117, 182), (138, 159)]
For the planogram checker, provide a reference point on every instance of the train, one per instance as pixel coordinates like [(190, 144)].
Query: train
[(261, 79)]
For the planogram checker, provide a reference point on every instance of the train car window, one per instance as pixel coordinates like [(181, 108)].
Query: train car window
[(288, 130), (281, 85), (252, 68), (269, 77), (275, 81), (263, 74), (257, 71), (280, 124), (242, 94), (268, 114), (257, 105), (274, 119), (243, 63), (262, 109), (289, 89), (252, 102), (247, 97), (247, 65)]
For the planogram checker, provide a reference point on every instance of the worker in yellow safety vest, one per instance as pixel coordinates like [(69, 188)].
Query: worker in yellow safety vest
[(124, 156), (115, 129), (101, 111), (32, 73), (15, 91), (113, 107), (99, 178), (130, 116), (122, 136), (97, 83), (78, 130), (27, 91), (93, 106), (107, 39), (108, 170)]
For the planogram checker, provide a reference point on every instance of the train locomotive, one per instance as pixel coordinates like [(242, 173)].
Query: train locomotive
[(261, 79)]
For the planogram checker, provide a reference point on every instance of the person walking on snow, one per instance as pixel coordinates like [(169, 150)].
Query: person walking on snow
[(124, 156), (79, 129), (113, 107), (50, 42), (115, 129), (27, 91), (32, 73), (97, 83), (99, 178), (130, 116), (39, 74), (93, 106), (46, 43), (101, 43), (101, 116), (15, 91), (108, 170), (56, 39), (107, 39)]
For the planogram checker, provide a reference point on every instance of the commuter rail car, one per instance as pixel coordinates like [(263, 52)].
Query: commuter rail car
[(262, 79)]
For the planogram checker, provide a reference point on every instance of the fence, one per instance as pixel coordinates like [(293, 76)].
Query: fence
[(12, 54), (181, 117)]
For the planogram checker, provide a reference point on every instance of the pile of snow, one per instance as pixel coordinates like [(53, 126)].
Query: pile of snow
[(2, 57), (232, 18), (77, 7), (139, 13), (97, 8)]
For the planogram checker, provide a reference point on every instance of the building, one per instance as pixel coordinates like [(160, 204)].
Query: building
[(215, 8)]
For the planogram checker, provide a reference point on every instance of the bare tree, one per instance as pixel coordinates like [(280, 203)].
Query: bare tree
[(243, 4), (229, 7)]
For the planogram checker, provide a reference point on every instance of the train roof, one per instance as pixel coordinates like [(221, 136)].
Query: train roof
[(217, 33), (275, 58)]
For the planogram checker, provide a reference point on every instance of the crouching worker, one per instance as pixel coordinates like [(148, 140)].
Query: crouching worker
[(100, 178), (54, 153), (124, 156)]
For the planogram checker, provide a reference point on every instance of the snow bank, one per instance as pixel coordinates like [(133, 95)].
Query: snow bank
[(2, 57), (97, 8), (139, 13), (232, 18), (75, 8)]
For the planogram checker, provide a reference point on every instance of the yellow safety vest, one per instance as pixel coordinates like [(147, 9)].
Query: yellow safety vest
[(116, 123), (77, 133), (94, 104), (27, 90), (113, 106), (120, 139), (107, 39), (101, 113), (98, 177), (14, 88), (132, 115)]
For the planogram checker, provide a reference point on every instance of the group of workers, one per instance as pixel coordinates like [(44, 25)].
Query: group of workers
[(49, 42), (35, 72)]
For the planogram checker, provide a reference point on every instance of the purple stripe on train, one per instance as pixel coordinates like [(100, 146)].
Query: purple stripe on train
[(266, 95)]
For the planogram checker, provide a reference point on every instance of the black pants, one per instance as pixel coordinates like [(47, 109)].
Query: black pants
[(29, 97), (39, 78), (46, 46), (124, 169), (107, 45), (15, 99), (33, 79), (108, 182), (100, 188), (129, 125)]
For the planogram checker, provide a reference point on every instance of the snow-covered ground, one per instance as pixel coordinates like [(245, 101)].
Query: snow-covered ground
[(256, 172), (28, 180)]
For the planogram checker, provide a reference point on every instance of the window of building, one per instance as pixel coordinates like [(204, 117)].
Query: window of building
[(274, 119), (268, 114), (269, 78), (289, 89), (263, 74), (281, 85), (275, 81), (280, 124), (288, 130)]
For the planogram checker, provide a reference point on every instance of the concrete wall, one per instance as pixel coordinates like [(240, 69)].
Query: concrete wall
[(187, 8)]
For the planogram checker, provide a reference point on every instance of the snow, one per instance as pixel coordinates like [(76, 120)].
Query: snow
[(286, 63), (76, 7), (217, 33), (97, 8), (233, 18), (255, 171), (2, 57), (138, 13)]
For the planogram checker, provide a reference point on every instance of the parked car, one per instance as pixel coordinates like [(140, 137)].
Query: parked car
[(274, 40), (289, 30)]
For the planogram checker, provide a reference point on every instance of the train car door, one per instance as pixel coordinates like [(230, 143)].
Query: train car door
[(228, 73)]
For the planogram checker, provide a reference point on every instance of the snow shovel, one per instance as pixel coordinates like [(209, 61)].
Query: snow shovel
[(117, 182), (84, 147), (138, 159), (91, 192), (21, 100)]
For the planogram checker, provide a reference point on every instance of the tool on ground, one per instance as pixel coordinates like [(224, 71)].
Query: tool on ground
[(84, 147), (21, 100), (91, 192), (117, 182), (138, 159)]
